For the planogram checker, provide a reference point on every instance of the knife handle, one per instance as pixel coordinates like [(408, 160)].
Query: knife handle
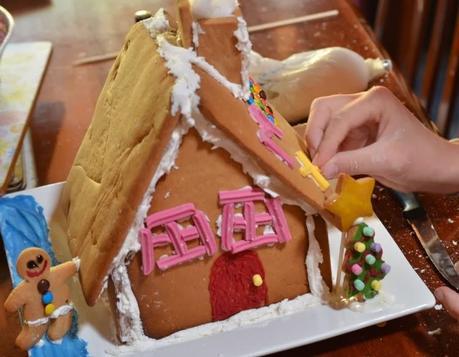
[(411, 206)]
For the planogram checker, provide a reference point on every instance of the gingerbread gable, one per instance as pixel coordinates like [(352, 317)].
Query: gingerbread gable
[(148, 103)]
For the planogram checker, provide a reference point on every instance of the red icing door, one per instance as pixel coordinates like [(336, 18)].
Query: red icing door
[(231, 285)]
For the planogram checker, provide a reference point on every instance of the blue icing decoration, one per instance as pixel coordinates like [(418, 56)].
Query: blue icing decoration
[(23, 225)]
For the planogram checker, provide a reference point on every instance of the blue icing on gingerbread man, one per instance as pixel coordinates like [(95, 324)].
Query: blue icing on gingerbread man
[(23, 225)]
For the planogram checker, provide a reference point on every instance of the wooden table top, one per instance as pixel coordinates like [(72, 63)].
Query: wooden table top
[(68, 96)]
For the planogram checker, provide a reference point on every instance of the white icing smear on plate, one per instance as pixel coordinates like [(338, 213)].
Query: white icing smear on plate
[(244, 318)]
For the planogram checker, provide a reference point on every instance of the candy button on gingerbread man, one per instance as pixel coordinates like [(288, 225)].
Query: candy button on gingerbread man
[(43, 295)]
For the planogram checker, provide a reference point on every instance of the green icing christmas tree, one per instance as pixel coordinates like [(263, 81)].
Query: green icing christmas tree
[(363, 264)]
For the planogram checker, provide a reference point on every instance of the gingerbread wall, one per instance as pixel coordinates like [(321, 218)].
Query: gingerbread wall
[(179, 298)]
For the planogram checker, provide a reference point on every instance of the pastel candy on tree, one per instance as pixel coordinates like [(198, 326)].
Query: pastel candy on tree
[(359, 284), (376, 247), (359, 247), (356, 269), (376, 285), (385, 268), (370, 259)]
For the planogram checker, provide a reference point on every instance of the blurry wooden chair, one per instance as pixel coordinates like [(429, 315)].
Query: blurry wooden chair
[(422, 37)]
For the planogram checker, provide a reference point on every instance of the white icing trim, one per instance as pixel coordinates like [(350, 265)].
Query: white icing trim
[(178, 61), (244, 318), (244, 45), (76, 261), (157, 23), (271, 185), (206, 9), (314, 258), (219, 225), (60, 311), (197, 30), (130, 328), (128, 310), (234, 88)]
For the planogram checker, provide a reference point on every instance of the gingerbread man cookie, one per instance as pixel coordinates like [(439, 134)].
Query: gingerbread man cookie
[(43, 297)]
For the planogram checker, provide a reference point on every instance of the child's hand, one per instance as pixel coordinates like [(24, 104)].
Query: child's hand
[(373, 133)]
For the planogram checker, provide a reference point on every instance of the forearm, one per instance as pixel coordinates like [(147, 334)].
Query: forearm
[(445, 169)]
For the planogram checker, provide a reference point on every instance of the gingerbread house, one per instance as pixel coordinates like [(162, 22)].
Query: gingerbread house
[(189, 196)]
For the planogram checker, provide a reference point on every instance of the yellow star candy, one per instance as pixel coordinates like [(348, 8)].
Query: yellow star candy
[(352, 200)]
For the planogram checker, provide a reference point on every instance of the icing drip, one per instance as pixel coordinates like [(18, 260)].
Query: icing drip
[(244, 45), (128, 309), (178, 61), (157, 23), (197, 30), (314, 258)]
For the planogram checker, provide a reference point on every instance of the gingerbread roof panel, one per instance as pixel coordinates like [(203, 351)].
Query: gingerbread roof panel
[(130, 128)]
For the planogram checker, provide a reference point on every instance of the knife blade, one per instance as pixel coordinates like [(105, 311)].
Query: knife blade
[(428, 237)]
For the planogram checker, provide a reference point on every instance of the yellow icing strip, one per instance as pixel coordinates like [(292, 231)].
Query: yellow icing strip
[(307, 168)]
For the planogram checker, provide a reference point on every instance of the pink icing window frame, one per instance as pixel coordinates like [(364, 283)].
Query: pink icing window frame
[(176, 236), (251, 219)]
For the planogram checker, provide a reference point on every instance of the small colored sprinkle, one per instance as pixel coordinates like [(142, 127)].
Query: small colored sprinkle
[(368, 231), (359, 247), (376, 285), (49, 309), (356, 269), (359, 284), (257, 280), (385, 268), (370, 259), (250, 100), (376, 247), (271, 118)]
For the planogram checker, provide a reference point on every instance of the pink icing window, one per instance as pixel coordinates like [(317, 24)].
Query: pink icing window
[(173, 233), (250, 219)]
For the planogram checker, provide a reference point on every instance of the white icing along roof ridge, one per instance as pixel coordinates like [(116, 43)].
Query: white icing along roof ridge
[(207, 9)]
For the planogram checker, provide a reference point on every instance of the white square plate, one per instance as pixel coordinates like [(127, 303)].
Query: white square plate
[(311, 324)]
